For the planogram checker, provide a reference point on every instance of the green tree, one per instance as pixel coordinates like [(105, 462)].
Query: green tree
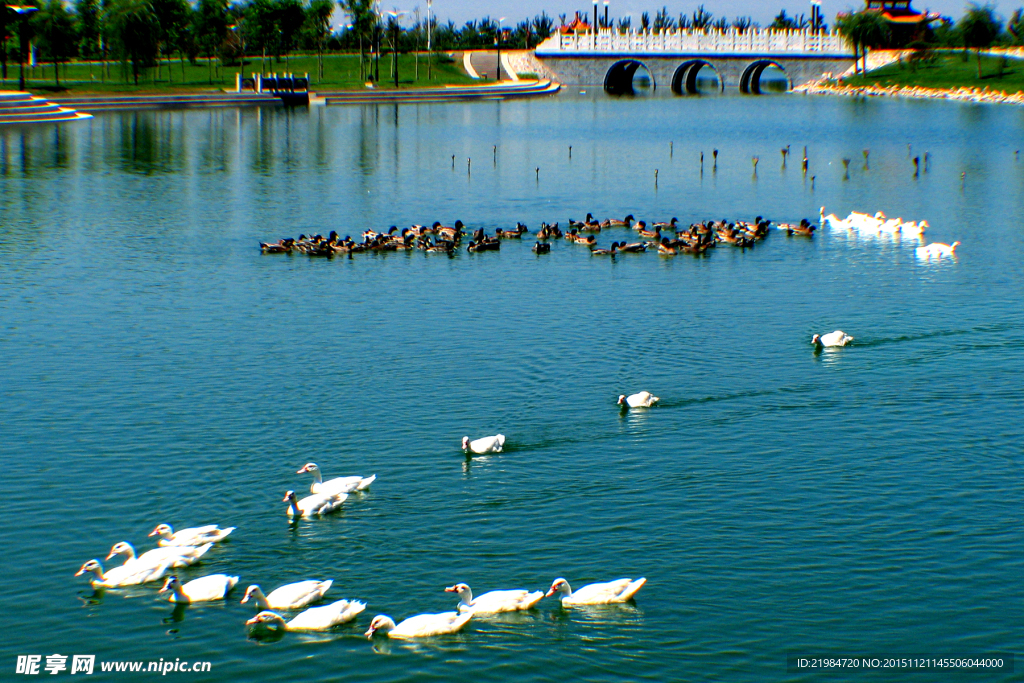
[(55, 29), (701, 19), (978, 29), (782, 22), (133, 33), (1015, 27), (742, 24), (863, 29), (289, 17), (6, 18), (210, 23), (360, 13), (318, 24), (87, 15), (174, 18)]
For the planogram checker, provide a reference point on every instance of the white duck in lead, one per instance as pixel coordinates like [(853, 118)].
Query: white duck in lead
[(493, 602), (832, 339), (313, 619), (487, 444), (420, 626), (316, 504), (203, 589), (197, 535), (290, 596), (336, 485), (644, 399), (607, 593), (937, 250), (125, 575), (177, 556)]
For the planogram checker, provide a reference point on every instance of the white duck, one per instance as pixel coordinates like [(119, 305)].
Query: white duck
[(420, 626), (493, 602), (487, 444), (290, 596), (833, 221), (197, 535), (336, 485), (177, 556), (837, 338), (313, 619), (315, 504), (644, 399), (203, 589), (606, 593), (125, 575), (937, 250)]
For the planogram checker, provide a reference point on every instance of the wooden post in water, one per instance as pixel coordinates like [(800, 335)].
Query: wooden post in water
[(866, 153), (469, 166), (714, 153), (846, 169), (570, 152), (495, 155), (917, 166)]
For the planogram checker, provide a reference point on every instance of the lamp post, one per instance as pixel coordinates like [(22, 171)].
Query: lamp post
[(23, 12), (593, 28), (395, 28), (237, 28), (606, 14), (497, 43), (429, 53)]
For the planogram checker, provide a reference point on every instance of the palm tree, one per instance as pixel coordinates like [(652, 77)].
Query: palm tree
[(979, 28)]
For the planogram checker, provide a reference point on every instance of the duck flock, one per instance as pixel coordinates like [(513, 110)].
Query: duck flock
[(289, 607), (667, 238)]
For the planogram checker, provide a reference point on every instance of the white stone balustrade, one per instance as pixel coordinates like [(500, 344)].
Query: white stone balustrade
[(688, 41)]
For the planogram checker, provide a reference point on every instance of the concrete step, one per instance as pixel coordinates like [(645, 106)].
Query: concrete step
[(21, 107)]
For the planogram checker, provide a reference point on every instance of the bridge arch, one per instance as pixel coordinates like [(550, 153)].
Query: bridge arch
[(684, 80), (750, 81), (619, 79)]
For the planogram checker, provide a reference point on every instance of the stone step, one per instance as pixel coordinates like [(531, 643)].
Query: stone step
[(21, 107)]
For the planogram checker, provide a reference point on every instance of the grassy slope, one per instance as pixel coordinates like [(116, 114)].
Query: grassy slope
[(340, 71), (949, 71)]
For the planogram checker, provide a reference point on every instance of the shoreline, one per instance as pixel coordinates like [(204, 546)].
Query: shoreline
[(918, 92)]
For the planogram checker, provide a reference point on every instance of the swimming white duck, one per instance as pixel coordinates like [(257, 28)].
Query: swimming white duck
[(913, 228), (125, 575), (336, 485), (289, 596), (313, 619), (494, 602), (644, 399), (837, 338), (177, 556), (833, 221), (606, 593), (937, 250), (487, 444), (203, 589), (315, 504), (197, 535), (420, 626)]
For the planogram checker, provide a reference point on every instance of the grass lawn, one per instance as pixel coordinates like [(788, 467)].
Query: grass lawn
[(949, 70), (340, 71)]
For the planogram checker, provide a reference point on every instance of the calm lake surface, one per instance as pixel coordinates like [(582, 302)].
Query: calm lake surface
[(158, 368)]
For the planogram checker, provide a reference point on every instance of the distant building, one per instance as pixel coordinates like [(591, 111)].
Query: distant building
[(577, 25), (905, 23)]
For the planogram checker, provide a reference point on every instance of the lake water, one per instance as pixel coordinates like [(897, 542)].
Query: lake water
[(159, 368)]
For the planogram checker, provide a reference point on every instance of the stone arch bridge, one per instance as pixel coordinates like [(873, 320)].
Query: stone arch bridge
[(675, 58)]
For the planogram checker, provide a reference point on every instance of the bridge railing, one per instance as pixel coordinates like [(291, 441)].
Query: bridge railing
[(754, 41)]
